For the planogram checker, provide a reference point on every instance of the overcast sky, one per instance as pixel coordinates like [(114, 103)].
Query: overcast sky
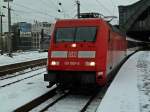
[(47, 10)]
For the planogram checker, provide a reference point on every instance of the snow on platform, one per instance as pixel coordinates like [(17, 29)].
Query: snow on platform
[(21, 57), (130, 90)]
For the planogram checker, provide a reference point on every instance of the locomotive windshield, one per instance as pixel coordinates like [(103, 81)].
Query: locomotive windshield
[(76, 34)]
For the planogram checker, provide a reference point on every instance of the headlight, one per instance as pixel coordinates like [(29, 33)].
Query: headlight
[(54, 63), (73, 45), (90, 63)]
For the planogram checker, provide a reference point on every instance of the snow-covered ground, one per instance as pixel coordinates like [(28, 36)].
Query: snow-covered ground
[(18, 94), (20, 77), (21, 57), (130, 90)]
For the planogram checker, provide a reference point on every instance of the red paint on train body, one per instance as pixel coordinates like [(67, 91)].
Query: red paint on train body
[(88, 46)]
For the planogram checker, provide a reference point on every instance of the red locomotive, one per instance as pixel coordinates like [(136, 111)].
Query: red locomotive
[(84, 51)]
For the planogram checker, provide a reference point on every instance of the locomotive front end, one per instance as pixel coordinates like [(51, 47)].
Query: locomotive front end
[(72, 54)]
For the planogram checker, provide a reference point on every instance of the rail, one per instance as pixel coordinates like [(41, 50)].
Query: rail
[(9, 69)]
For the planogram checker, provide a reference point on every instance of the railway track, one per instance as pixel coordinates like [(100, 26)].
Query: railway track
[(34, 103), (21, 73), (6, 82), (63, 102), (70, 103), (9, 69), (55, 100), (84, 108)]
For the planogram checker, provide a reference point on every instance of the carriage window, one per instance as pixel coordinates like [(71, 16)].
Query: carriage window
[(65, 34), (87, 34)]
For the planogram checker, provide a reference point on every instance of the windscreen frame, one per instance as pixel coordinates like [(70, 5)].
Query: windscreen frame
[(75, 33)]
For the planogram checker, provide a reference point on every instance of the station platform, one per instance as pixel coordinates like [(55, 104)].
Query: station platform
[(130, 90)]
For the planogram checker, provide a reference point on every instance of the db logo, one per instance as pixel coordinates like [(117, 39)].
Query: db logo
[(72, 54)]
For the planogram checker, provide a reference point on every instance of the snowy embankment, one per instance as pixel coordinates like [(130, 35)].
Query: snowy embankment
[(21, 57), (130, 90), (20, 93)]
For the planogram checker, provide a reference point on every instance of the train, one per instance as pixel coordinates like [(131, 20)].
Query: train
[(84, 52)]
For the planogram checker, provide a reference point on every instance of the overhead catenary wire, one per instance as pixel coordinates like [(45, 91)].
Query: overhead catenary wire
[(68, 13), (35, 10), (30, 13), (26, 13), (73, 12), (114, 6), (24, 16), (54, 5), (21, 17), (29, 10), (48, 5), (27, 17), (111, 13)]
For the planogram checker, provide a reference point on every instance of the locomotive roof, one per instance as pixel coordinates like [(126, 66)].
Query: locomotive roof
[(81, 19), (77, 22)]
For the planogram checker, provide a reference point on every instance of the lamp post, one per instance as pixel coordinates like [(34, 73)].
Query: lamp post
[(9, 40), (1, 31)]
